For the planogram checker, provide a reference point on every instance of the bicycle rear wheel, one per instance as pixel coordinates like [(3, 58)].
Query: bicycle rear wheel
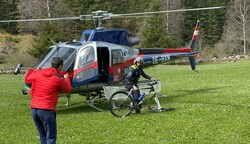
[(121, 104)]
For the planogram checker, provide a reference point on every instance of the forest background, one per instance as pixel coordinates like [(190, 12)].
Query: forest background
[(223, 32)]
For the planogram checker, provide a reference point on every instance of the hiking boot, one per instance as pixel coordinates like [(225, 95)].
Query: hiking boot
[(138, 111)]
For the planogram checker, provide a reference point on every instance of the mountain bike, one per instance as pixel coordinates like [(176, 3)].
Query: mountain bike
[(122, 103)]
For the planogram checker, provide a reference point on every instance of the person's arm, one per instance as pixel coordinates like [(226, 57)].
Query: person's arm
[(146, 76), (65, 84), (32, 77)]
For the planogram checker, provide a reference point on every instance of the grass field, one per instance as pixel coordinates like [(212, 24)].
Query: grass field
[(212, 106)]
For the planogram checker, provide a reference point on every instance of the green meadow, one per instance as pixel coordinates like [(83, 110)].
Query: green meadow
[(211, 106)]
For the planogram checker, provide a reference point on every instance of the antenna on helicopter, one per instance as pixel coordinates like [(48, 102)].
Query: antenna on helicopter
[(52, 40)]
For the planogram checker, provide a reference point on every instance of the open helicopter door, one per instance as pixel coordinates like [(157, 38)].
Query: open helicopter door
[(103, 63), (86, 68), (117, 68)]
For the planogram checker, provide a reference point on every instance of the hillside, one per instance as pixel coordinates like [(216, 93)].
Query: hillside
[(13, 49)]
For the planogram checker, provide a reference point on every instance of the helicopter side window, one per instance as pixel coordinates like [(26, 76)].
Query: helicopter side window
[(87, 56), (117, 57)]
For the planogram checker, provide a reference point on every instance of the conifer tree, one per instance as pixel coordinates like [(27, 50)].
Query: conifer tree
[(8, 11)]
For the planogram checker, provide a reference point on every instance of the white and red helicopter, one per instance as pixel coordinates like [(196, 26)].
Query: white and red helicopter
[(102, 56)]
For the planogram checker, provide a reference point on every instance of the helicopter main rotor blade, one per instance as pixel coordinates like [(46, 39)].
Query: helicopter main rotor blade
[(82, 17), (102, 15), (131, 16), (168, 11)]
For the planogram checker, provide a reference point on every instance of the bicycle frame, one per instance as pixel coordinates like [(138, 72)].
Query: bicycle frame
[(152, 91)]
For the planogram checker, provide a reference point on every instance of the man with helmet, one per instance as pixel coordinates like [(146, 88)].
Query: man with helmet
[(132, 78)]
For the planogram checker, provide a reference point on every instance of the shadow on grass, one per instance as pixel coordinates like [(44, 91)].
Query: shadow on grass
[(185, 93), (80, 107), (146, 112), (221, 104), (202, 91)]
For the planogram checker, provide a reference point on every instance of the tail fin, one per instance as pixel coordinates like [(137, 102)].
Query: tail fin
[(192, 63), (192, 44), (195, 35)]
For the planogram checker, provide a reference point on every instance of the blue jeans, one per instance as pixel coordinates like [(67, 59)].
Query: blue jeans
[(45, 121)]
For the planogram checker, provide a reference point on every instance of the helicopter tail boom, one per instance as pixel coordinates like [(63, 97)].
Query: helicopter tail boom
[(159, 55)]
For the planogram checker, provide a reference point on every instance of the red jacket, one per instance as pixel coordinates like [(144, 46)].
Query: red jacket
[(46, 86)]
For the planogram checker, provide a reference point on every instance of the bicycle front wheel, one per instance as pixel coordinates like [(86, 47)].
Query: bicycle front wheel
[(121, 104)]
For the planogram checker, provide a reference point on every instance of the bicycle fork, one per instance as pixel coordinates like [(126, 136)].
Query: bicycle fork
[(157, 102)]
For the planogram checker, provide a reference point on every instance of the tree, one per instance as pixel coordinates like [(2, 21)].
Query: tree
[(8, 10), (45, 31), (212, 21), (43, 41), (45, 9), (236, 35), (154, 33), (241, 19), (117, 7), (172, 21)]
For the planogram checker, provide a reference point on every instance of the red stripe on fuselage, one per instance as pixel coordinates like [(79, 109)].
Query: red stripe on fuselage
[(92, 65), (176, 50), (117, 71)]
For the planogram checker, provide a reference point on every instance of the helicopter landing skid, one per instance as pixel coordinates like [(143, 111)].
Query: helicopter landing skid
[(68, 99), (91, 102)]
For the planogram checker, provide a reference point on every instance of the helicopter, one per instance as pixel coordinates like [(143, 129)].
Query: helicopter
[(102, 56)]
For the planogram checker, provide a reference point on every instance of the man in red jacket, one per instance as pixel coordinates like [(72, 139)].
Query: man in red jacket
[(46, 85)]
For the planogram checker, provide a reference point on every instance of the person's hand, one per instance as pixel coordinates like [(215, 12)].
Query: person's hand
[(135, 88), (152, 79), (66, 76)]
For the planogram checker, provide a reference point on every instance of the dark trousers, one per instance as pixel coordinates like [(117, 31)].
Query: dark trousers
[(45, 121), (136, 94)]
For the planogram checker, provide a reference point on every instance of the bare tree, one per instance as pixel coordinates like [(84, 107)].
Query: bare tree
[(173, 21), (240, 16), (45, 5), (235, 37), (41, 9)]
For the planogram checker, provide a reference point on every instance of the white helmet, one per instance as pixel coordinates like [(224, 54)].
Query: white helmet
[(138, 59)]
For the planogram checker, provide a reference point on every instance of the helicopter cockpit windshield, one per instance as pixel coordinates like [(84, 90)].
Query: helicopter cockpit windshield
[(67, 54)]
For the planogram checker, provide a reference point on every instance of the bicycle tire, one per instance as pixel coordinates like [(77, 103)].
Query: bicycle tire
[(121, 104)]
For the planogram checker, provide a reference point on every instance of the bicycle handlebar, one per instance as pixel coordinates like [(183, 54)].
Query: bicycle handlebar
[(154, 82)]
